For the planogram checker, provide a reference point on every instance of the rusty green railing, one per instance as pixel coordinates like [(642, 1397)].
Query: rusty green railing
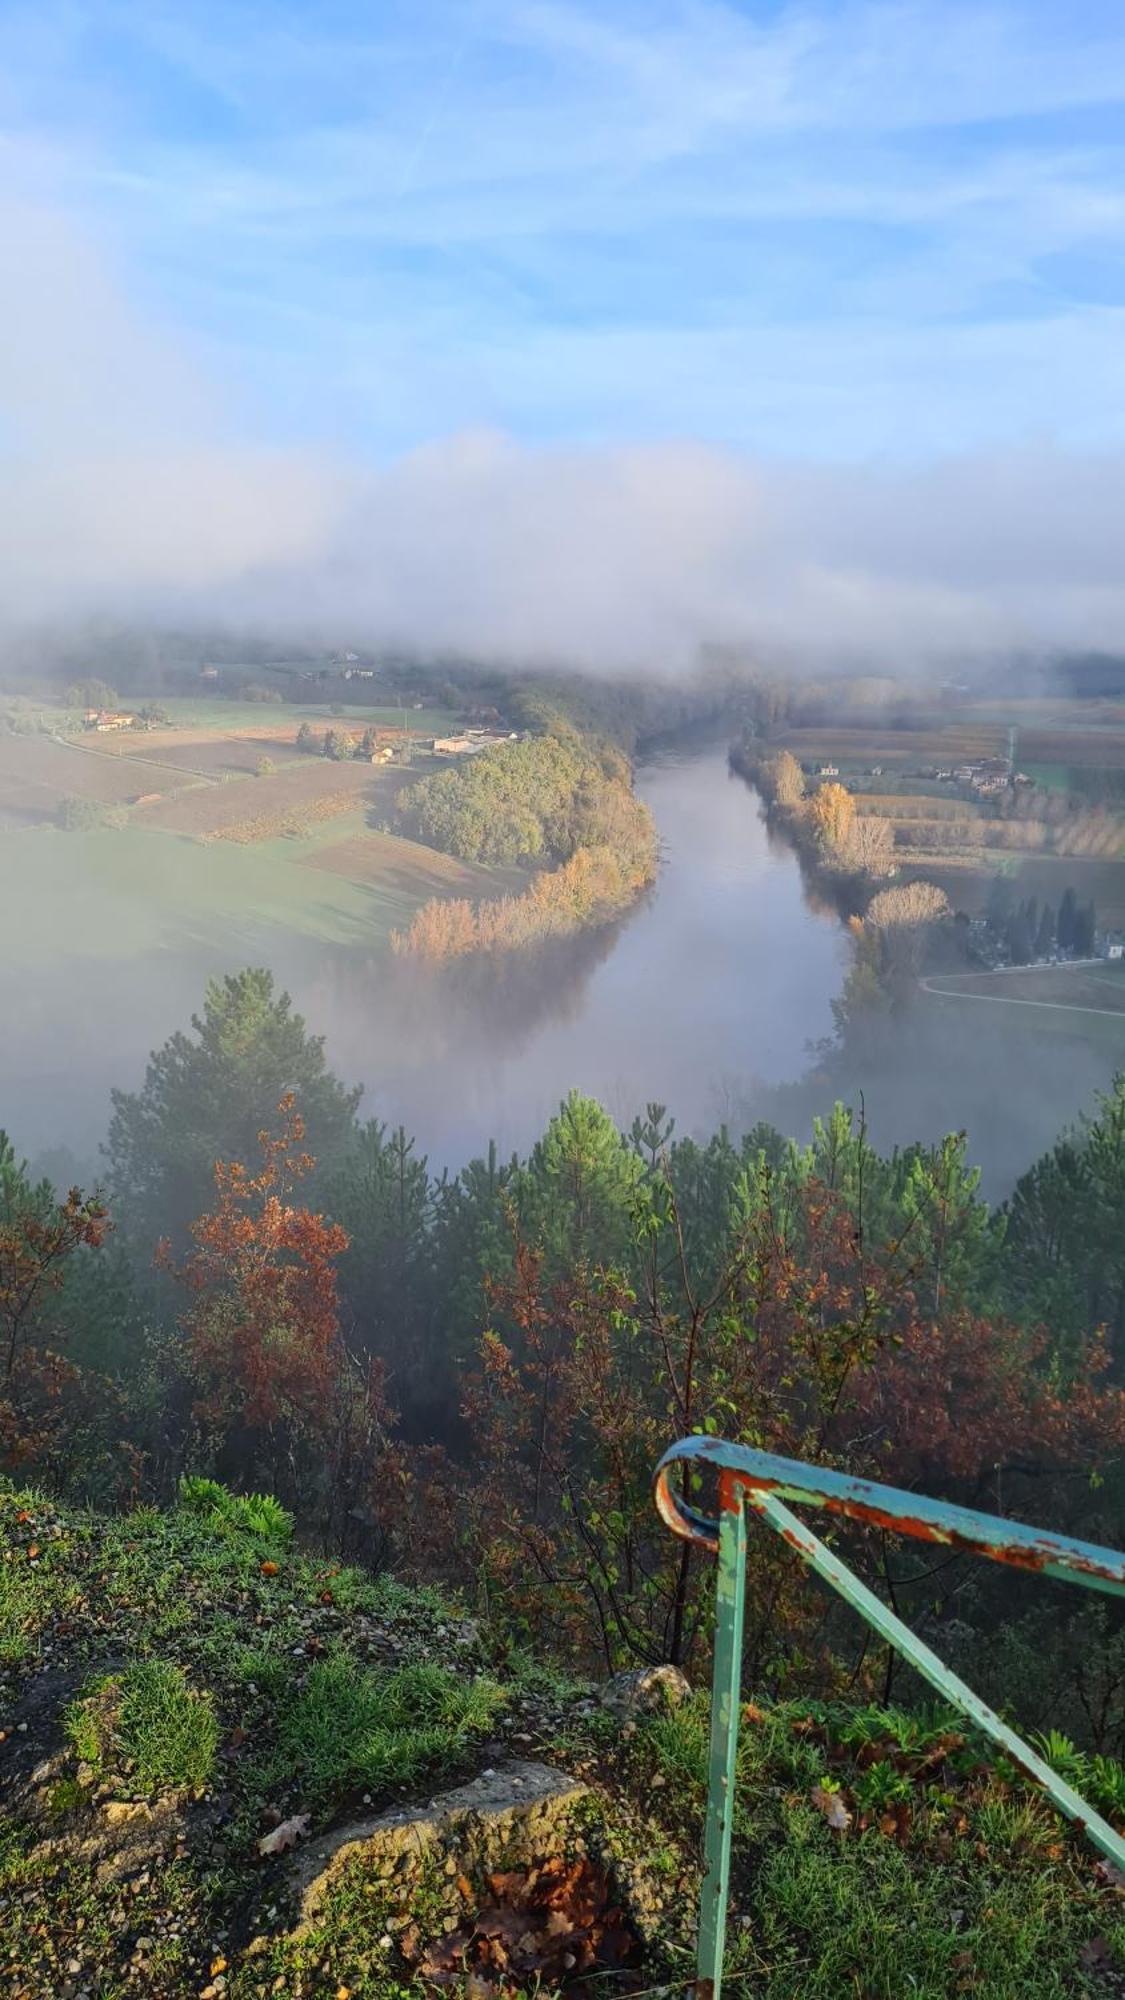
[(764, 1482)]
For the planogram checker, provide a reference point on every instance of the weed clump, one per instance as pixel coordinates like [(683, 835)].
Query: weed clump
[(254, 1513), (351, 1726), (151, 1720)]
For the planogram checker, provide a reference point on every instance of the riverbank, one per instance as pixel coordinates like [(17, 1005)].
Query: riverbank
[(561, 802)]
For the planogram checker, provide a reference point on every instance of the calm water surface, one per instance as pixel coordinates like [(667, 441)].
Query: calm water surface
[(721, 977)]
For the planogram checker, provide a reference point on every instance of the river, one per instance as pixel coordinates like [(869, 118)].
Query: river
[(721, 977)]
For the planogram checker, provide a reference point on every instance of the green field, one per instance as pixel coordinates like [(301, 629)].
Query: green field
[(120, 894), (265, 716), (1085, 1000)]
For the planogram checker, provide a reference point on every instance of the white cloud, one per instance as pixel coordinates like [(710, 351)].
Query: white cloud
[(129, 485)]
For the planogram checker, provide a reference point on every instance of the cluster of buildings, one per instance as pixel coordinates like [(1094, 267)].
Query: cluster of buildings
[(104, 719), (985, 775), (471, 742)]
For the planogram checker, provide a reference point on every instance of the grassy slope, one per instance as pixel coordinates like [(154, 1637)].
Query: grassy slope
[(120, 893), (206, 1668)]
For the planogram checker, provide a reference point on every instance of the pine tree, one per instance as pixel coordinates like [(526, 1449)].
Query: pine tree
[(209, 1094)]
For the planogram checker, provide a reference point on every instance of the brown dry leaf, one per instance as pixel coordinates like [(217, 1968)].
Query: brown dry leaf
[(446, 1954), (464, 1888), (270, 1568), (752, 1713), (831, 1804), (508, 1887), (410, 1942), (286, 1835)]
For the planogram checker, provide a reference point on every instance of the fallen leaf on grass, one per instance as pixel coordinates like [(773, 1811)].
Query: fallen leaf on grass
[(831, 1804), (286, 1835), (896, 1822), (269, 1568)]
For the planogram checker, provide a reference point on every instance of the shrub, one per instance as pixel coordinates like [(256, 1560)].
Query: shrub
[(77, 815)]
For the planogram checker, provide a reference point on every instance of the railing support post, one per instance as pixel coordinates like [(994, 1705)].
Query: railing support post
[(726, 1692)]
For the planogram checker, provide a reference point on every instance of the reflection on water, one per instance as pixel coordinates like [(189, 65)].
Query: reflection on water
[(720, 978)]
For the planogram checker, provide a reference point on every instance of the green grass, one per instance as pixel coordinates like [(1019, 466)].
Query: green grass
[(979, 1888), (289, 1685), (150, 1722), (352, 1729), (119, 895)]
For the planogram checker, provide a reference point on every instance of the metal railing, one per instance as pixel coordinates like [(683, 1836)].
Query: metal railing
[(758, 1479)]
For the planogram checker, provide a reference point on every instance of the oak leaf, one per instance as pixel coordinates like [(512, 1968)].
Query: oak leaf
[(831, 1804), (286, 1835)]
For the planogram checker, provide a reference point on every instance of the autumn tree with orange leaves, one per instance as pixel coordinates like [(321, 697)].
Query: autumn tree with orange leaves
[(273, 1392)]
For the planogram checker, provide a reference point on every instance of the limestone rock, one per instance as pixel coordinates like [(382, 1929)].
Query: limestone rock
[(645, 1691), (513, 1814)]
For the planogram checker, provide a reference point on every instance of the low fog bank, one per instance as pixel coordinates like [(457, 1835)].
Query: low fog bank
[(131, 489), (622, 561)]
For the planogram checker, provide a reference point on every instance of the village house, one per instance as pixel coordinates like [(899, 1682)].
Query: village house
[(103, 719)]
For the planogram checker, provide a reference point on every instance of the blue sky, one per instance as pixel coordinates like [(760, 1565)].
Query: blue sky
[(838, 231)]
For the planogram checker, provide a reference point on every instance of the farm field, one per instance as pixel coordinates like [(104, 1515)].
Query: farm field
[(36, 774), (404, 865), (1071, 737), (1080, 1000), (312, 785), (126, 893), (1100, 986), (966, 879), (268, 718), (203, 856)]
